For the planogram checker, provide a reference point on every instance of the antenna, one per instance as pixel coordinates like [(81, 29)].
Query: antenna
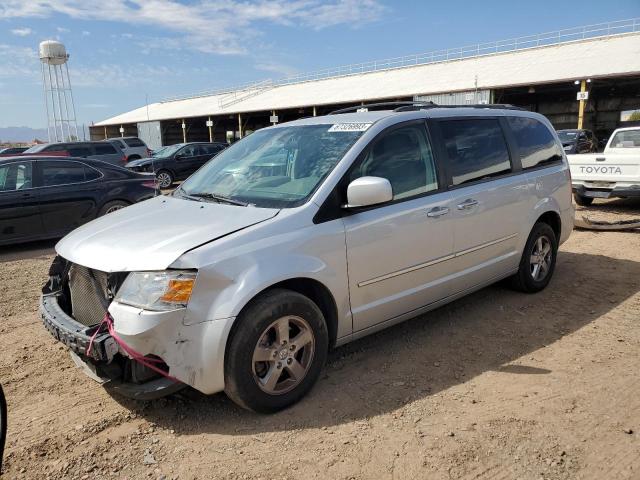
[(58, 97)]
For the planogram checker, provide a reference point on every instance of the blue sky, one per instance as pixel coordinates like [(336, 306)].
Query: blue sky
[(123, 50)]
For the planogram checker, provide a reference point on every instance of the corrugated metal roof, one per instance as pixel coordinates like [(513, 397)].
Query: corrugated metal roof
[(599, 57)]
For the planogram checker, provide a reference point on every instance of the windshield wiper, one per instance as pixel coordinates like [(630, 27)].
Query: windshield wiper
[(218, 198)]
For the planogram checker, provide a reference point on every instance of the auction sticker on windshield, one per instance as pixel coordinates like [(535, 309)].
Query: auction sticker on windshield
[(349, 127)]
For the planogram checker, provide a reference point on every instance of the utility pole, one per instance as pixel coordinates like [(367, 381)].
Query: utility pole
[(582, 97), (184, 132)]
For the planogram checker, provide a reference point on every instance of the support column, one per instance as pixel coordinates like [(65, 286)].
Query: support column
[(240, 126), (583, 88), (105, 132), (210, 130), (184, 131), (314, 111)]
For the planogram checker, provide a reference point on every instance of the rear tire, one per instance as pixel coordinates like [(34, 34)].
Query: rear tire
[(112, 207), (276, 352), (582, 200), (538, 260), (165, 178)]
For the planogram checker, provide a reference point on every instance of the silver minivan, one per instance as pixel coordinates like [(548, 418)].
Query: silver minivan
[(305, 236)]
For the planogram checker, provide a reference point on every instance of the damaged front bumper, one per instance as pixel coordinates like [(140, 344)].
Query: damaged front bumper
[(98, 364)]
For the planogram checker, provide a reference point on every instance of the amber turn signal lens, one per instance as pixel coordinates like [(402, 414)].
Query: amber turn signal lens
[(178, 291)]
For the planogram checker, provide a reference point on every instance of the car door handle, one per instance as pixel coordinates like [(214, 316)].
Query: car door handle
[(437, 212), (467, 204)]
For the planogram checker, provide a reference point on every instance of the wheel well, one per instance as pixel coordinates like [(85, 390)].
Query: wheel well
[(553, 220), (320, 295), (134, 157)]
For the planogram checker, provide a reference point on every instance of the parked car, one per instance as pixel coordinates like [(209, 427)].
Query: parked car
[(176, 162), (47, 197), (133, 147), (12, 151), (613, 173), (578, 141), (104, 151), (245, 276)]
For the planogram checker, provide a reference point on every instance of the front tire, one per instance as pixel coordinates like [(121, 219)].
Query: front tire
[(538, 260), (276, 351), (582, 200), (164, 178)]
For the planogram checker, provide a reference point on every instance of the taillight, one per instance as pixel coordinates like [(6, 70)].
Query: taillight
[(149, 152), (124, 159)]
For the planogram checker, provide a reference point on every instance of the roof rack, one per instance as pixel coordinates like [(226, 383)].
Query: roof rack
[(494, 106), (397, 105), (419, 105)]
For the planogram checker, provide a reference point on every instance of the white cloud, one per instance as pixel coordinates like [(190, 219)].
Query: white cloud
[(86, 33), (280, 69), (18, 61), (62, 30), (22, 32), (207, 26)]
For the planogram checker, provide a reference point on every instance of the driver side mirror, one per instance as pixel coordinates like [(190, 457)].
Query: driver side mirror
[(367, 191)]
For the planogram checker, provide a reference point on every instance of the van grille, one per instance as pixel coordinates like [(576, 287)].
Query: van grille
[(89, 294)]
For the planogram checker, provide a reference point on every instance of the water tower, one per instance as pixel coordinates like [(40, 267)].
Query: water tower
[(58, 98)]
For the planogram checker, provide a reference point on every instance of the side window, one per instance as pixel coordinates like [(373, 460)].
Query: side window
[(476, 149), (105, 149), (404, 157), (134, 142), (535, 142), (56, 147), (91, 173), (15, 176), (62, 173), (79, 151), (189, 151)]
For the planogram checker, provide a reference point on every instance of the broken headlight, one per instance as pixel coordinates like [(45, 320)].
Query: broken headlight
[(165, 290)]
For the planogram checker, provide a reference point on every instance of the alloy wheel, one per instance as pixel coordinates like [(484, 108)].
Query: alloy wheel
[(114, 208), (283, 355), (164, 180), (541, 256)]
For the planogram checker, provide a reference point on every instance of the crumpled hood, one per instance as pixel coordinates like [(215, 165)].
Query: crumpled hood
[(152, 234)]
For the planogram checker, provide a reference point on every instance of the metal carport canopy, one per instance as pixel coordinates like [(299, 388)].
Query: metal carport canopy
[(617, 55)]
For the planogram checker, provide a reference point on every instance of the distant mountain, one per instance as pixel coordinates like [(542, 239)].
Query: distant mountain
[(22, 134)]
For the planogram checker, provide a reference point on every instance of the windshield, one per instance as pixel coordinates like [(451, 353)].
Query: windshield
[(567, 136), (167, 151), (626, 139), (273, 168), (35, 148)]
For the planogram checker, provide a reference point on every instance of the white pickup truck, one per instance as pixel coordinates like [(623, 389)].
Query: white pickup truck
[(613, 173)]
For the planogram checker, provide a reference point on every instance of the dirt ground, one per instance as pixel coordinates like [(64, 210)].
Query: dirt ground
[(498, 385)]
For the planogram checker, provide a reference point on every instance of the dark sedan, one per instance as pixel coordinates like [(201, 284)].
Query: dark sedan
[(176, 162), (12, 151), (47, 197)]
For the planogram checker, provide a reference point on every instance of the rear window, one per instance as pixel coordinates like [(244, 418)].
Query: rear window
[(626, 139), (134, 142), (105, 149), (476, 149), (536, 144)]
